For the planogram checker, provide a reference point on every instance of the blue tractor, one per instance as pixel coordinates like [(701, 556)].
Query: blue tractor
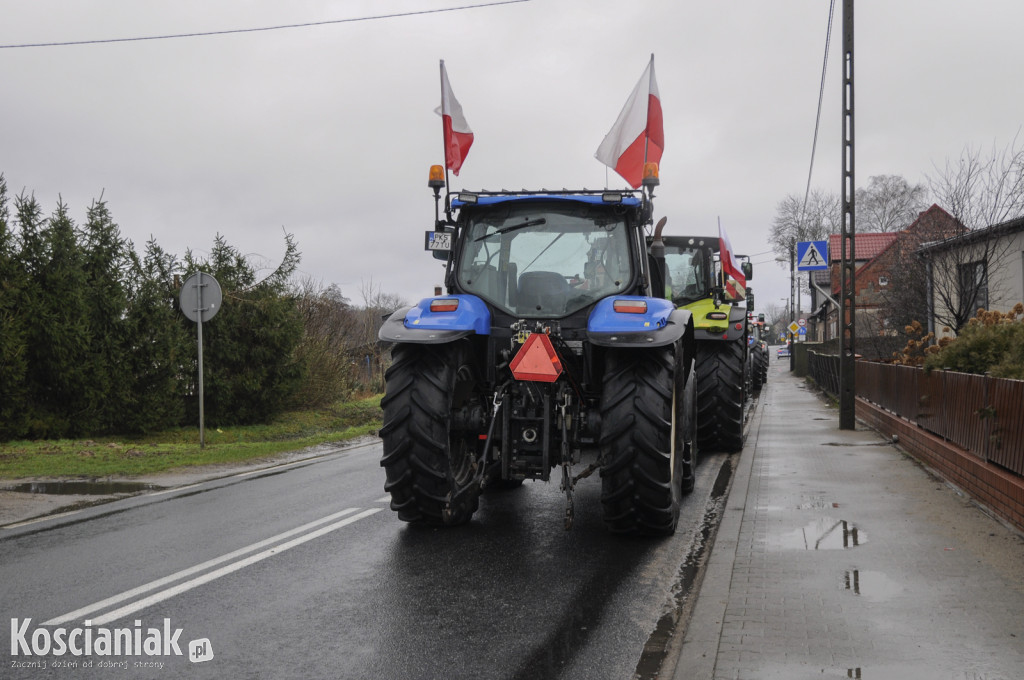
[(553, 347)]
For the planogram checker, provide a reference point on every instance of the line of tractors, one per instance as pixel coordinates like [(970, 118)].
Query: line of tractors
[(573, 337)]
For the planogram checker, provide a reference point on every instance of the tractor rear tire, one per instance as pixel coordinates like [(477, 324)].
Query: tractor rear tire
[(721, 394), (758, 358), (648, 410), (427, 463)]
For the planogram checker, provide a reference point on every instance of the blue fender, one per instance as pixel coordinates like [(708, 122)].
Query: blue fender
[(661, 323), (421, 324)]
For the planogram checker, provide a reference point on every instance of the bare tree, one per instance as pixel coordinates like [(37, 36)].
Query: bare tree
[(888, 203), (796, 221), (329, 324), (986, 194), (905, 299), (961, 270), (376, 306), (981, 191), (776, 316)]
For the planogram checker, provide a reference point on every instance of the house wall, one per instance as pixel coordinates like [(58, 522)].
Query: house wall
[(1010, 278), (1005, 273)]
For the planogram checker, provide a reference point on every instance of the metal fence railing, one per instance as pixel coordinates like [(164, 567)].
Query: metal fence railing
[(824, 369), (981, 414)]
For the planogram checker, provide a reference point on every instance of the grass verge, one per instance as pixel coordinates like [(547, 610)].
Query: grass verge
[(133, 456)]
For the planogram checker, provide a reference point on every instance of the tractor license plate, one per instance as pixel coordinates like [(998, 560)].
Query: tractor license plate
[(438, 240)]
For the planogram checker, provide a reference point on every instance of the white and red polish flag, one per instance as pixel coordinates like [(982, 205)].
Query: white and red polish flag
[(457, 135), (638, 135), (730, 267)]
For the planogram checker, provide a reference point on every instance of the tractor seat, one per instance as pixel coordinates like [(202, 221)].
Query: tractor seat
[(542, 292)]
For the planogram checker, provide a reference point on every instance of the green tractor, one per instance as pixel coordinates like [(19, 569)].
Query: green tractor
[(693, 275)]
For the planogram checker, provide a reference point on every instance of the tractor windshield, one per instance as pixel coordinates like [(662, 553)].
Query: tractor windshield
[(689, 273), (544, 261)]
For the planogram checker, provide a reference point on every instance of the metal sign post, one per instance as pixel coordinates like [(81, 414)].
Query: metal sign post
[(200, 301)]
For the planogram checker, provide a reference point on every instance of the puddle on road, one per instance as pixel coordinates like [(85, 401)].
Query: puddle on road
[(871, 585), (824, 533), (81, 488)]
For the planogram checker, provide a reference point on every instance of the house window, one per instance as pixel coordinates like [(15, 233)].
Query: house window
[(883, 280), (974, 285)]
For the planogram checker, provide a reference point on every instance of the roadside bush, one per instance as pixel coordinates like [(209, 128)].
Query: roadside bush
[(92, 340), (991, 343), (327, 322), (249, 353), (919, 346)]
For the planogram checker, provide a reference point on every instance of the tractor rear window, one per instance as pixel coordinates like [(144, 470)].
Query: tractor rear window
[(545, 261), (688, 272)]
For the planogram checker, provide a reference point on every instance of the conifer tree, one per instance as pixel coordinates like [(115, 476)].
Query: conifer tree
[(160, 346), (108, 264), (62, 400), (251, 367), (13, 359)]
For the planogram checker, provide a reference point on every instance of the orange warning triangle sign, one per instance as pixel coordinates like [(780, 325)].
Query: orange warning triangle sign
[(536, 360)]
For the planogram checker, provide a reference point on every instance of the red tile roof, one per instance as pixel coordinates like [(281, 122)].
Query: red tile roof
[(865, 246)]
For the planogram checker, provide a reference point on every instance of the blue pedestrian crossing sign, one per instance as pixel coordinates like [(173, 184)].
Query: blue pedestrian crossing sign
[(811, 255)]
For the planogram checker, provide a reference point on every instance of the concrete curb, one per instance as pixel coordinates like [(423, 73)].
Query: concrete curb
[(696, 659)]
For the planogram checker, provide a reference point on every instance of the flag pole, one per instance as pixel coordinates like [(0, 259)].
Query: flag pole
[(721, 259), (444, 143), (647, 126)]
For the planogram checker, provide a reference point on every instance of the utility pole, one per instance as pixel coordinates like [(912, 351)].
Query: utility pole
[(848, 299), (792, 303)]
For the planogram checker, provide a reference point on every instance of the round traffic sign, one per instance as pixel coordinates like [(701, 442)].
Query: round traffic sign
[(802, 322), (200, 297)]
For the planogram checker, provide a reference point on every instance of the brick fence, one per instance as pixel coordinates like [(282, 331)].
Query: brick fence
[(1000, 491)]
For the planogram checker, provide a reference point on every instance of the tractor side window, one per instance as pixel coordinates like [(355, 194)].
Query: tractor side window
[(480, 267)]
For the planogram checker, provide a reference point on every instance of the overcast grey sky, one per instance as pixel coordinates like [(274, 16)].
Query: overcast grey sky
[(328, 132)]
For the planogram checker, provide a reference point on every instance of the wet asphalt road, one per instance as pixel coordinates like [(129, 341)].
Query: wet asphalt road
[(304, 572)]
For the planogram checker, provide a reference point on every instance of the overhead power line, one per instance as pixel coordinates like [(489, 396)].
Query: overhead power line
[(259, 29), (817, 120)]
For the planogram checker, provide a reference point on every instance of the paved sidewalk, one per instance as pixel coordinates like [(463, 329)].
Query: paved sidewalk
[(838, 556)]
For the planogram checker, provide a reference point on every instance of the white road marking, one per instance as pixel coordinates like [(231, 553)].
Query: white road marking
[(273, 468), (175, 489), (224, 571), (153, 585), (384, 499), (39, 519)]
